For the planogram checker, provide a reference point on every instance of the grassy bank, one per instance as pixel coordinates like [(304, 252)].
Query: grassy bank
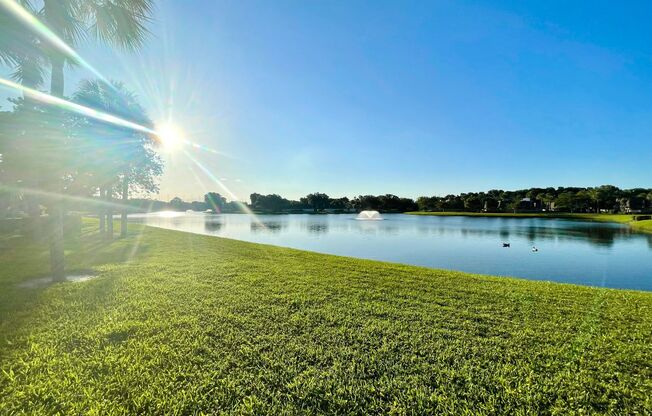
[(645, 226), (181, 323)]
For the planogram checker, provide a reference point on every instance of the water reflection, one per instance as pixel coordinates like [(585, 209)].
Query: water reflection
[(317, 228), (272, 227), (598, 235), (177, 220), (212, 223)]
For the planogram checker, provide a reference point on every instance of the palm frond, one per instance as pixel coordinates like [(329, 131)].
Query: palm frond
[(63, 18), (29, 71), (113, 99), (20, 49), (119, 22), (13, 37)]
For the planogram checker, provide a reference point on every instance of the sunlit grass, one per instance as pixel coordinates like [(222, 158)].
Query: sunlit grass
[(201, 324), (642, 225)]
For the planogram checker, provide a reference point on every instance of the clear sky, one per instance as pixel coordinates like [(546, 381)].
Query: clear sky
[(411, 98)]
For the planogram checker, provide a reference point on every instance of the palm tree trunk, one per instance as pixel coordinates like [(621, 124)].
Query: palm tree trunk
[(33, 219), (57, 259), (57, 255), (109, 214), (34, 223), (56, 80), (102, 211), (125, 198)]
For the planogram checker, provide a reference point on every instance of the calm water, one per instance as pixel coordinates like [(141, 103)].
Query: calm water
[(596, 254)]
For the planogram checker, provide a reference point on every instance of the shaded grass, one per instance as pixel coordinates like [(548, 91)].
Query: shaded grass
[(194, 324)]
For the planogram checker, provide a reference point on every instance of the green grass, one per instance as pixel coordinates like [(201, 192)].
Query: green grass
[(645, 226), (188, 324)]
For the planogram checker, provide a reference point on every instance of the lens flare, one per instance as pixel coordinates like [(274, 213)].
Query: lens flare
[(170, 137), (66, 197), (167, 134), (77, 108), (219, 183)]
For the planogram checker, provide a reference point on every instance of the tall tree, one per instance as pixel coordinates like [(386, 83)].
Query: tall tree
[(317, 201), (126, 158), (37, 150), (215, 201), (116, 22)]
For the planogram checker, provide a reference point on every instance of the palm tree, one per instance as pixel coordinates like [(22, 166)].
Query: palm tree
[(100, 138), (20, 50), (116, 22), (125, 155)]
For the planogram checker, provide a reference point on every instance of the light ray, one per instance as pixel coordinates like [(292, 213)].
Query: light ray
[(136, 244), (48, 35), (96, 202), (98, 115), (211, 176), (198, 179), (219, 183), (206, 149), (77, 108)]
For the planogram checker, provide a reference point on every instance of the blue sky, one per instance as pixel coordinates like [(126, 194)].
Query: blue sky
[(411, 98)]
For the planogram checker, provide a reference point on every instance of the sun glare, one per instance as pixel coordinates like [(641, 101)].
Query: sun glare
[(170, 136)]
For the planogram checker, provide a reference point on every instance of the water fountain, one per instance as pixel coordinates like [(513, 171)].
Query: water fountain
[(369, 216)]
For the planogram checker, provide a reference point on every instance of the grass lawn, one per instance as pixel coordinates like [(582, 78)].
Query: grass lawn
[(178, 323), (642, 225)]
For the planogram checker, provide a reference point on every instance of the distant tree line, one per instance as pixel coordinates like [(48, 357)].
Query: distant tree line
[(272, 203), (320, 202), (213, 201), (606, 198)]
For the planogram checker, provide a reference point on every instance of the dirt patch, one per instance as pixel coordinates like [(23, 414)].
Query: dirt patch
[(46, 281)]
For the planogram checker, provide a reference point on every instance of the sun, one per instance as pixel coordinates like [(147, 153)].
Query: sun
[(170, 136)]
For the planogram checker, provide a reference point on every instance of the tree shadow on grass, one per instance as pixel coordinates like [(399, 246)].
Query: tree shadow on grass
[(96, 250), (25, 260)]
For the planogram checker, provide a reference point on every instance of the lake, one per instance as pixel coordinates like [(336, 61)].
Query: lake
[(580, 252)]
